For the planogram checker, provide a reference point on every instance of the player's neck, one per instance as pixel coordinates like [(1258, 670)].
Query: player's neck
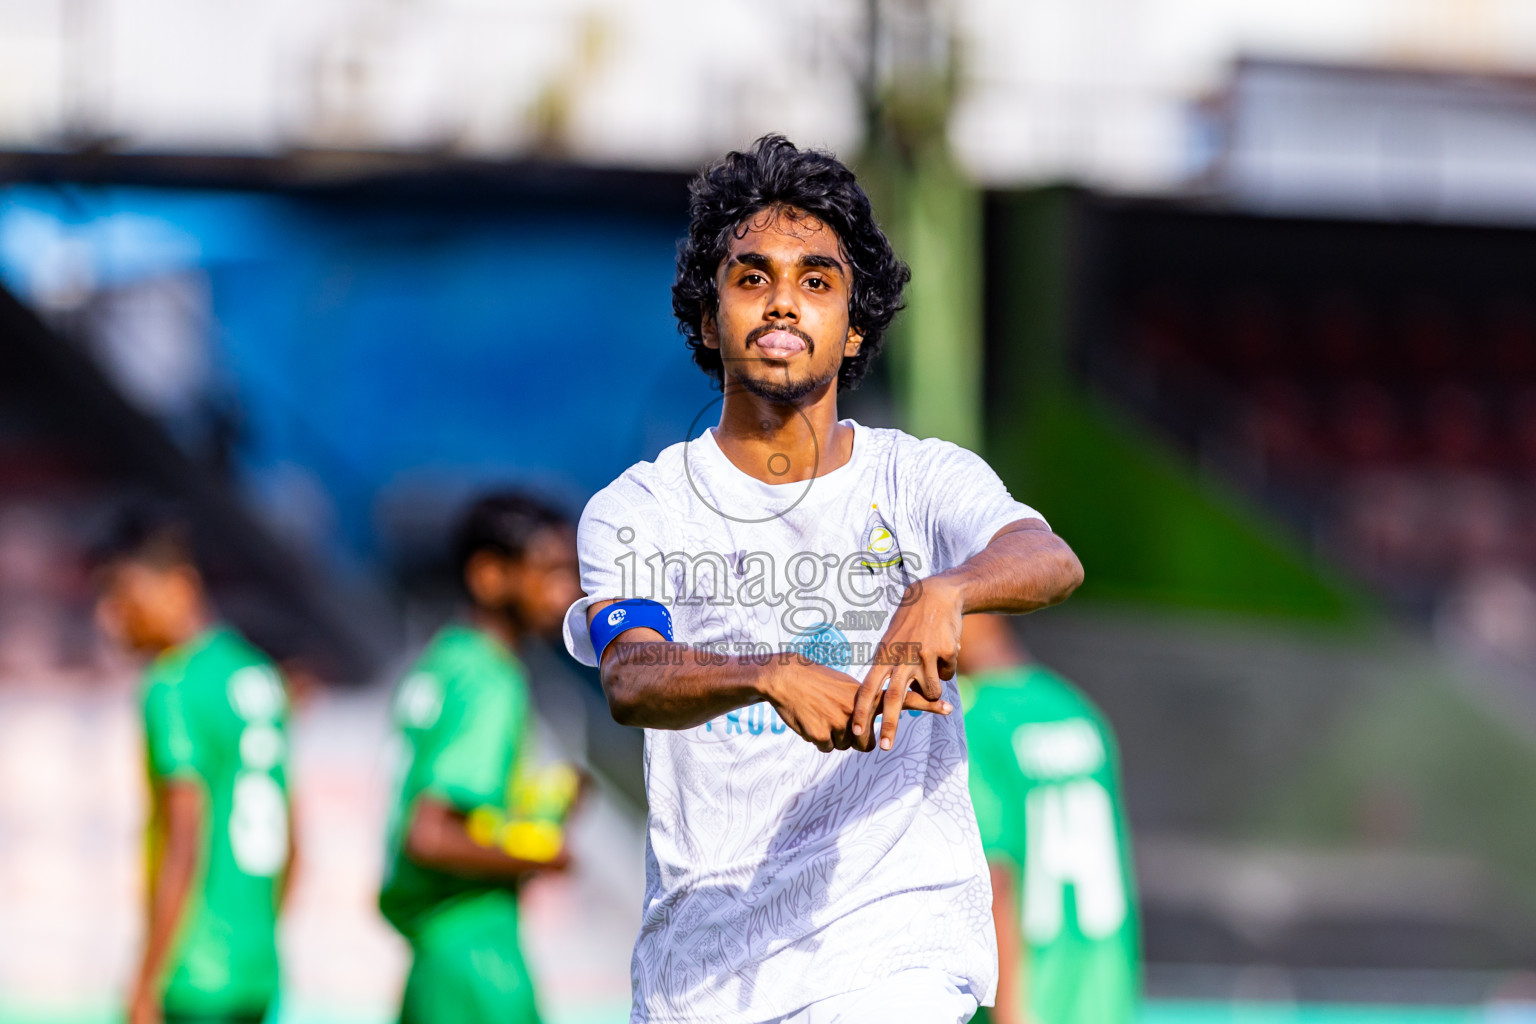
[(1000, 667), (499, 625), (783, 443), (187, 628)]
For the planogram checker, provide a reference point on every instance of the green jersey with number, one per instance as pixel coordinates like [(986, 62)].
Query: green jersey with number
[(1045, 783), (216, 715), (461, 715)]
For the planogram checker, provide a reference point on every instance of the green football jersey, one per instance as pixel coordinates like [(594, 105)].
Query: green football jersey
[(216, 714), (1045, 782), (461, 714)]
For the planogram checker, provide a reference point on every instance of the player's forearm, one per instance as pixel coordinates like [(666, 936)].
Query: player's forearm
[(677, 686), (1025, 567), (173, 880), (290, 869), (439, 838), (1009, 1007), (172, 885)]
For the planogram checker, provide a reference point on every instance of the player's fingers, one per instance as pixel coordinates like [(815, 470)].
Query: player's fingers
[(893, 680), (914, 701), (948, 663), (868, 736), (842, 738), (890, 712), (929, 681), (822, 743), (864, 702), (863, 732)]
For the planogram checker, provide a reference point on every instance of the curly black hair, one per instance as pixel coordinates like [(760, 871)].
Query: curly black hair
[(774, 173), (504, 522), (151, 531)]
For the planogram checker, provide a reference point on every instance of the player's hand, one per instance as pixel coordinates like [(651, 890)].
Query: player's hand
[(144, 1006), (584, 786), (818, 702), (920, 648), (559, 864)]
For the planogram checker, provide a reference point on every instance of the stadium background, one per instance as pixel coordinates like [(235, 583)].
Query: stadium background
[(1239, 294)]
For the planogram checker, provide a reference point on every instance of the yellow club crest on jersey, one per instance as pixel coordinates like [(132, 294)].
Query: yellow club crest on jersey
[(879, 543)]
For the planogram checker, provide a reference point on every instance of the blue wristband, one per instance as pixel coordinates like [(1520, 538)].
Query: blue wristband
[(635, 613)]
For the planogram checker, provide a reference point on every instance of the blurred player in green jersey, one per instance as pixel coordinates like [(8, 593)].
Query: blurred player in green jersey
[(469, 822), (215, 729), (1045, 782)]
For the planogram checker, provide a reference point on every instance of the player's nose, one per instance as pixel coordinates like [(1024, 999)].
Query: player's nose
[(782, 303)]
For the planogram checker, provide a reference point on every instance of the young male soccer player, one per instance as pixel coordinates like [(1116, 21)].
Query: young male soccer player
[(455, 855), (1045, 782), (215, 728), (794, 871)]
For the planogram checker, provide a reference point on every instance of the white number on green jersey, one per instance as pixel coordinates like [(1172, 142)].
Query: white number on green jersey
[(258, 817), (256, 693), (419, 701), (1071, 841), (258, 825)]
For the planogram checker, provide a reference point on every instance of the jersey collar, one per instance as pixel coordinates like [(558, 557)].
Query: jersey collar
[(802, 493)]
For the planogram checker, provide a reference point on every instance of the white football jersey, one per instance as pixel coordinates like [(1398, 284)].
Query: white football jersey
[(777, 875)]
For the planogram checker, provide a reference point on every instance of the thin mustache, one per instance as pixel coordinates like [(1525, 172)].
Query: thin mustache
[(758, 332)]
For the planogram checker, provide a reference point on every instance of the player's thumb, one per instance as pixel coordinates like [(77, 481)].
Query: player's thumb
[(915, 701)]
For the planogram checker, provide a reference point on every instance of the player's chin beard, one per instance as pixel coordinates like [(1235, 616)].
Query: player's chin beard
[(785, 392)]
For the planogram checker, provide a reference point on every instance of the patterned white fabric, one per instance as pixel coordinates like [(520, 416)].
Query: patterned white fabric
[(776, 875), (911, 997)]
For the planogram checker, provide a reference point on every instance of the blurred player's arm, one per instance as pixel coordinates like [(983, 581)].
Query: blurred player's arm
[(290, 870), (466, 777), (172, 883), (1024, 567), (439, 837), (653, 683), (1010, 946)]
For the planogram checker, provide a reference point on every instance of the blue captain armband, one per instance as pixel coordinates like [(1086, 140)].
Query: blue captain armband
[(635, 613)]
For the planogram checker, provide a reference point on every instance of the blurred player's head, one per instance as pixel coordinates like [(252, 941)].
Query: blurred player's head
[(989, 644), (151, 594), (785, 283), (517, 558)]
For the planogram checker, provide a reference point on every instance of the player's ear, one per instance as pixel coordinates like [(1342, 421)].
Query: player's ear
[(709, 331), (853, 343), (108, 614), (188, 581), (485, 578)]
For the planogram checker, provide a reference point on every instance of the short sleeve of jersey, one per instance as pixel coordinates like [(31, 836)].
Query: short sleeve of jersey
[(621, 526), (167, 734), (964, 504), (473, 757)]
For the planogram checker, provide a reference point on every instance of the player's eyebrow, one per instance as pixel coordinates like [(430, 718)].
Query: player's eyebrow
[(756, 260), (759, 261), (812, 259)]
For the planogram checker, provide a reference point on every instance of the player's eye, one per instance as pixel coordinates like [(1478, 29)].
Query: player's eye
[(816, 283), (752, 278)]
